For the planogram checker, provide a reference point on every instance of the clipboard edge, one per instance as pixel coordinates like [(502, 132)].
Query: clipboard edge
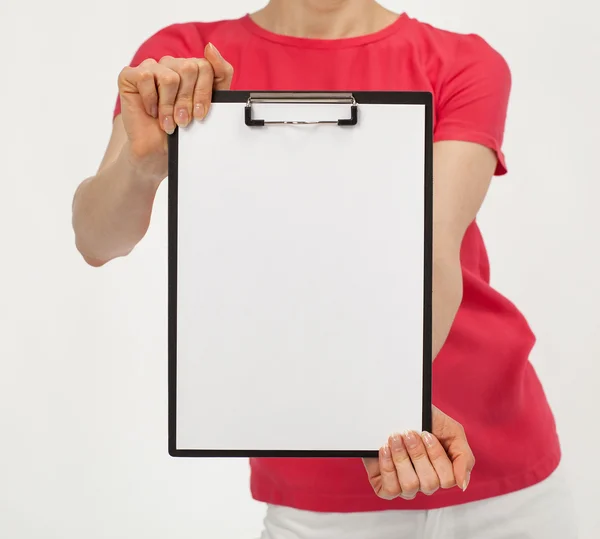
[(172, 220), (367, 97), (218, 453)]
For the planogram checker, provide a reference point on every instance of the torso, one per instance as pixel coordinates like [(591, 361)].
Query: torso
[(482, 377)]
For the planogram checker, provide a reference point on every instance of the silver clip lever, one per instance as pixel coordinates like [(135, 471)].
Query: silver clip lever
[(301, 98)]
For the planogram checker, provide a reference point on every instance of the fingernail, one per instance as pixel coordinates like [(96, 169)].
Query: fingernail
[(199, 111), (385, 450), (466, 482), (169, 125), (182, 117), (216, 50), (410, 439), (428, 439), (154, 111), (397, 444)]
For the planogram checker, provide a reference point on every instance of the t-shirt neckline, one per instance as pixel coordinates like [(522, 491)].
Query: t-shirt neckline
[(305, 42)]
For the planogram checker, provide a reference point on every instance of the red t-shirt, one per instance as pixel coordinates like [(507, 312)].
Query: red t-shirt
[(482, 377)]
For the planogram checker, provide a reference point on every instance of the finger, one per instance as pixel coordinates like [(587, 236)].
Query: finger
[(167, 82), (146, 86), (390, 485), (203, 89), (222, 68), (141, 80), (439, 460), (407, 477), (187, 69), (428, 479)]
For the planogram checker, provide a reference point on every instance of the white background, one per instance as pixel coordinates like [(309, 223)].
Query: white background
[(83, 352)]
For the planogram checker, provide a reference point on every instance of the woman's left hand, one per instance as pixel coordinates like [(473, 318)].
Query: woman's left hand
[(412, 463)]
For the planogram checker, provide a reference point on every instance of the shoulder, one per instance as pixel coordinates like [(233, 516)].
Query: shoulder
[(452, 53), (186, 39), (471, 83)]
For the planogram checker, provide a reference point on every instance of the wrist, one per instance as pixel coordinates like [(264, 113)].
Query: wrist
[(142, 172)]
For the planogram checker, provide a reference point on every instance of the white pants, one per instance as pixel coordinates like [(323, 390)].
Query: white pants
[(544, 511)]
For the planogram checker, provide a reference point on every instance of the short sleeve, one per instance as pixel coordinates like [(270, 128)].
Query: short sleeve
[(472, 100), (177, 40)]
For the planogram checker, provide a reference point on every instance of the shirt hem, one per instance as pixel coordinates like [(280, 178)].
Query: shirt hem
[(309, 500)]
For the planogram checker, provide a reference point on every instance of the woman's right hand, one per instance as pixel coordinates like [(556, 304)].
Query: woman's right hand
[(158, 96)]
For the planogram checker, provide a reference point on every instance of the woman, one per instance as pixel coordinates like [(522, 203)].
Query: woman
[(483, 380)]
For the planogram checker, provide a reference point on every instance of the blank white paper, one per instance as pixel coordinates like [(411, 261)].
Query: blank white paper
[(300, 279)]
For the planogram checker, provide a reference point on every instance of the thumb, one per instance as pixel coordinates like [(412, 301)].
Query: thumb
[(452, 436), (462, 464), (222, 68)]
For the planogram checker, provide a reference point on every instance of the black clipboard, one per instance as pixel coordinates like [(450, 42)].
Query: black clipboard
[(253, 121)]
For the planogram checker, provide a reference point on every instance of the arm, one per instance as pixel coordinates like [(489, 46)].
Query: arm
[(462, 175), (406, 464), (111, 210), (471, 106)]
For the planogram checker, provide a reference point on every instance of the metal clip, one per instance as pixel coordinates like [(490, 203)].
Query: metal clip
[(301, 98)]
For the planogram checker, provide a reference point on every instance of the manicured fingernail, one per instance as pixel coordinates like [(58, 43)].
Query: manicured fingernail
[(385, 450), (410, 439), (199, 111), (428, 439), (169, 125), (466, 482), (397, 444), (154, 111), (216, 50), (182, 117)]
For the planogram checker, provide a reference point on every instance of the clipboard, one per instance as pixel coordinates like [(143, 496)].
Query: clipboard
[(300, 274)]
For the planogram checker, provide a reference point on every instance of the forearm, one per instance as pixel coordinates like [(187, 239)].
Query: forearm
[(462, 172), (112, 210), (447, 295)]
